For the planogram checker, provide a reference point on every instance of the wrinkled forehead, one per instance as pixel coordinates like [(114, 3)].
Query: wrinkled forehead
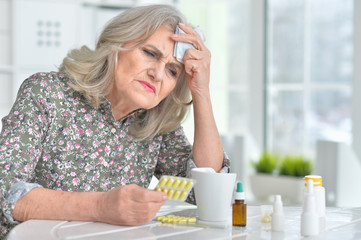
[(150, 33)]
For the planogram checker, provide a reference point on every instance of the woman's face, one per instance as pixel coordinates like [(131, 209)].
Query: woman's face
[(146, 75)]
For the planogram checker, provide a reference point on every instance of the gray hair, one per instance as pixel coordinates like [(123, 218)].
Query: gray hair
[(92, 72)]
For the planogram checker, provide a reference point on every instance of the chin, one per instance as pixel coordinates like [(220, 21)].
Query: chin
[(145, 100), (149, 107), (145, 103)]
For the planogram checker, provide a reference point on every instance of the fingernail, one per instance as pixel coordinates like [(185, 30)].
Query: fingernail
[(165, 197), (181, 24), (175, 35)]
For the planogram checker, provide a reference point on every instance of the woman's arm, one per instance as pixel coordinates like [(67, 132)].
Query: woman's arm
[(20, 150), (207, 146), (126, 205)]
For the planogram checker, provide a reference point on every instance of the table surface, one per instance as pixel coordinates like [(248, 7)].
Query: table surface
[(341, 223)]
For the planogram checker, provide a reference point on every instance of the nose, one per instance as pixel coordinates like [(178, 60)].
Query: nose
[(156, 71)]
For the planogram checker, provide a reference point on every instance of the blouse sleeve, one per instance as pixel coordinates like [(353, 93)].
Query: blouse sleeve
[(21, 146)]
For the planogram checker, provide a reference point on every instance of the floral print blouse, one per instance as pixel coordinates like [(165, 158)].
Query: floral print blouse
[(53, 138)]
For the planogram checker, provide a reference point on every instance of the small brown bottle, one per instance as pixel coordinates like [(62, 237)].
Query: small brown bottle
[(239, 208)]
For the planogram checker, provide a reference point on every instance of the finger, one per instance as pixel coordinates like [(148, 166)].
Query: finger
[(195, 41), (141, 208), (191, 67), (187, 29), (146, 195), (190, 36), (192, 54), (197, 32), (155, 196), (201, 58), (143, 212)]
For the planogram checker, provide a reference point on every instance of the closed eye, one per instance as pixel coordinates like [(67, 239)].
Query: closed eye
[(173, 72), (174, 69), (149, 53)]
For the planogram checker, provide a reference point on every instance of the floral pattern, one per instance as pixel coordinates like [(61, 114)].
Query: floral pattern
[(54, 138)]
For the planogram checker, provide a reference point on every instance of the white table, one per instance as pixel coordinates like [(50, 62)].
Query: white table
[(340, 224)]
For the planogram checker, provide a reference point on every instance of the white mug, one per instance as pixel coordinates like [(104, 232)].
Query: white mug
[(213, 192)]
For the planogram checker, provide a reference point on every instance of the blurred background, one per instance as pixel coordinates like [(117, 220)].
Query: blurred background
[(284, 75)]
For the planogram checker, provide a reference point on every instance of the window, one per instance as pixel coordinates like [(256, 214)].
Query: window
[(309, 73), (225, 24)]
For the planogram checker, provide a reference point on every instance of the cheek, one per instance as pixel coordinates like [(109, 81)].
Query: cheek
[(129, 63), (169, 86)]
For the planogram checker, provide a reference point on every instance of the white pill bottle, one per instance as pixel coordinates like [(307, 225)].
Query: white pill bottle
[(320, 197)]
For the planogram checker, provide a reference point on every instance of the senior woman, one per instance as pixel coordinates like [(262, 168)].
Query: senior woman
[(83, 143)]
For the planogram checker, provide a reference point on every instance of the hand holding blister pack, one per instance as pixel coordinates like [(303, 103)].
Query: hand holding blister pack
[(177, 188), (180, 48)]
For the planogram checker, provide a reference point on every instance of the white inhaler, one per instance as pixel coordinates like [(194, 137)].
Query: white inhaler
[(278, 216), (320, 196), (309, 216)]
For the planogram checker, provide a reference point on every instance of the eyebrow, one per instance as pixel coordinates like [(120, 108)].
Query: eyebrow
[(161, 55)]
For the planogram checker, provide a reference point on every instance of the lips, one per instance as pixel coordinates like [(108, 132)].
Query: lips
[(147, 86)]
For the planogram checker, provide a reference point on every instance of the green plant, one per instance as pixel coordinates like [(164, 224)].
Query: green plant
[(267, 163), (297, 166)]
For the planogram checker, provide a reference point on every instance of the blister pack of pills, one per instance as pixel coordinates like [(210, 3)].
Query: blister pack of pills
[(177, 188)]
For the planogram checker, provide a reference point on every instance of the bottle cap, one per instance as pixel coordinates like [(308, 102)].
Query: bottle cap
[(239, 193), (317, 180), (278, 198), (239, 187), (277, 205)]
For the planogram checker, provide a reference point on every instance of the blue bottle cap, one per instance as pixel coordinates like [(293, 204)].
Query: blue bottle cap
[(239, 195), (239, 187)]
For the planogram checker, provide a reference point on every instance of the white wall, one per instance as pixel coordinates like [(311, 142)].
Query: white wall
[(257, 72), (356, 115), (340, 169)]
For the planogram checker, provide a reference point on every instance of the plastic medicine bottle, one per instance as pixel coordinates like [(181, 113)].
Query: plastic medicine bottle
[(239, 208), (309, 216), (320, 196), (278, 216)]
